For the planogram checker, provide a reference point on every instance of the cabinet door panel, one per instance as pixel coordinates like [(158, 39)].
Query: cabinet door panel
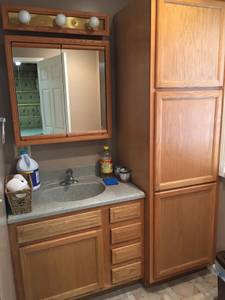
[(184, 229), (190, 43), (187, 138), (63, 268)]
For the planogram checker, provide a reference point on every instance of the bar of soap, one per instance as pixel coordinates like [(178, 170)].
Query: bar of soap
[(110, 181)]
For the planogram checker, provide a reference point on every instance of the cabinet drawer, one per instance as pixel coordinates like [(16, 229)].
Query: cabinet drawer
[(125, 212), (46, 229), (129, 272), (126, 233), (126, 253)]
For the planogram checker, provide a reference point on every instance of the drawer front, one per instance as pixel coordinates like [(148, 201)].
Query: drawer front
[(123, 254), (126, 233), (46, 229), (127, 273), (125, 212)]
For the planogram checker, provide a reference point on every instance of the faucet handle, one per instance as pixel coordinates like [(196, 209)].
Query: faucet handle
[(69, 172), (69, 179)]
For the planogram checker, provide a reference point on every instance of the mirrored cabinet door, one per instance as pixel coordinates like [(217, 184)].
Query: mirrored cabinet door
[(59, 92), (39, 91), (85, 90)]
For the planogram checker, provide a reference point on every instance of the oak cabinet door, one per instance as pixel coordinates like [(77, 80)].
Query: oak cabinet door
[(184, 229), (190, 43), (187, 138), (63, 268)]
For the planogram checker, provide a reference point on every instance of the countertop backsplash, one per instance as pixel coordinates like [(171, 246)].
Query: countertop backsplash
[(59, 175)]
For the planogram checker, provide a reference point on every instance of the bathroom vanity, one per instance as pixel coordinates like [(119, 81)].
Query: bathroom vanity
[(170, 90), (66, 248), (84, 237)]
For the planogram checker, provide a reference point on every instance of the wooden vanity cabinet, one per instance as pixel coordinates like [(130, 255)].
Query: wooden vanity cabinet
[(66, 267), (69, 256), (189, 89), (127, 243), (184, 229), (187, 138), (190, 43), (170, 79)]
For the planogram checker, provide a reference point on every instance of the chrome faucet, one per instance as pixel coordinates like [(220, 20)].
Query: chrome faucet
[(69, 178)]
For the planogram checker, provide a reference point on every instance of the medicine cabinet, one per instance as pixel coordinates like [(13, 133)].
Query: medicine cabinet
[(59, 89)]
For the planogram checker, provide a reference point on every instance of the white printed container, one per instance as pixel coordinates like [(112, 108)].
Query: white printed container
[(27, 165)]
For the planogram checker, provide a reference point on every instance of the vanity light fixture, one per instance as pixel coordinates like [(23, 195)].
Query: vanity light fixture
[(60, 20), (94, 23), (24, 16)]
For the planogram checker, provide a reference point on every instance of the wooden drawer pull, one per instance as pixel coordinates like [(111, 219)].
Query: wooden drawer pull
[(127, 273), (126, 253), (50, 228), (125, 212), (126, 233)]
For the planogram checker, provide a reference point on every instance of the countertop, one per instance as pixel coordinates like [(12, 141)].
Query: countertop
[(43, 206)]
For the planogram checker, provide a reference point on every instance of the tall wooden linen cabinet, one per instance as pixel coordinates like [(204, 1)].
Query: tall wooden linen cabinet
[(170, 82)]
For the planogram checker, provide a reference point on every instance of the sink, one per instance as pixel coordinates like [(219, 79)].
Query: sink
[(78, 191)]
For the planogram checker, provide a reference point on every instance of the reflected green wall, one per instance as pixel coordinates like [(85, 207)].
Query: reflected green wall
[(28, 97)]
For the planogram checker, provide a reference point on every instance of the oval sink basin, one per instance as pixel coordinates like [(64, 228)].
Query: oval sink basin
[(78, 191)]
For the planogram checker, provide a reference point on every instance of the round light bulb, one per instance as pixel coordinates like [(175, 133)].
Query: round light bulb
[(94, 22), (24, 16), (60, 20)]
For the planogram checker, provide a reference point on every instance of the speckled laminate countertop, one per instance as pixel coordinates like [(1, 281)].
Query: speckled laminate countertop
[(44, 206)]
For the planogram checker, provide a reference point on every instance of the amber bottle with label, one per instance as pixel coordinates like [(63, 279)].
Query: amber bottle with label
[(106, 165)]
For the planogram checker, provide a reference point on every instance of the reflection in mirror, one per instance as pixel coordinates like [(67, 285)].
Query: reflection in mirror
[(40, 91), (60, 92), (85, 90)]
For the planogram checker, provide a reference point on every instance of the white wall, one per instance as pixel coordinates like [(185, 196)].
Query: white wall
[(7, 290)]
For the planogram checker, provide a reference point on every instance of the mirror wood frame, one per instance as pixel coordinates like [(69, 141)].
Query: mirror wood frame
[(56, 43)]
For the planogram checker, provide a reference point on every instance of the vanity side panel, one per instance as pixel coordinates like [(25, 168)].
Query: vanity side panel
[(132, 30)]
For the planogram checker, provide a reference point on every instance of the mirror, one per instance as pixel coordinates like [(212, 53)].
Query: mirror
[(39, 91), (85, 94), (60, 92)]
